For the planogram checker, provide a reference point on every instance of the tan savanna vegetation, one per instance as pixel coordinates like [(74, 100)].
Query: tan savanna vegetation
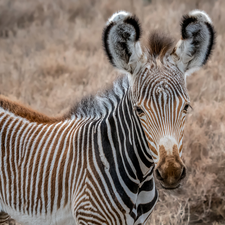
[(51, 56)]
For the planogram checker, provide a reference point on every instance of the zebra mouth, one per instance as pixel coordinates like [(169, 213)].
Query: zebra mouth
[(170, 188)]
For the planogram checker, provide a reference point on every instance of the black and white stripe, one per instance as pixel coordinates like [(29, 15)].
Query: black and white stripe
[(95, 165)]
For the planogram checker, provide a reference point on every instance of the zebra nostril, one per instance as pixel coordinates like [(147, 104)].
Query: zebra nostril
[(158, 175), (183, 174)]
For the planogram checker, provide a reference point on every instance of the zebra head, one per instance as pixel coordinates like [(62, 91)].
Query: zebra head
[(157, 77)]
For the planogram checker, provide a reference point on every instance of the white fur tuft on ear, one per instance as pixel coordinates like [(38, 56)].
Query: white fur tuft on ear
[(121, 41), (201, 16), (118, 16), (197, 42)]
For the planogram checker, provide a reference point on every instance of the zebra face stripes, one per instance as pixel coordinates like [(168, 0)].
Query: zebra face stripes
[(163, 101), (158, 82)]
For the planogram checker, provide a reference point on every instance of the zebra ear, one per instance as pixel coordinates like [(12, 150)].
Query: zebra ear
[(197, 42), (121, 41)]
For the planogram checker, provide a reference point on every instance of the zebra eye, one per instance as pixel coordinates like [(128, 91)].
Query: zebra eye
[(139, 111), (185, 110)]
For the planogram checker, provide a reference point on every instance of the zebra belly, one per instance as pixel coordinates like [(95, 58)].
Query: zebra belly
[(59, 217)]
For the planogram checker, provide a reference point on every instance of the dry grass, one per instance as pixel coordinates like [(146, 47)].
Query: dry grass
[(51, 56)]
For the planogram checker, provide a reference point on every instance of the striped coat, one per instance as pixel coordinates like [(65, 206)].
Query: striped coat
[(95, 164), (96, 167)]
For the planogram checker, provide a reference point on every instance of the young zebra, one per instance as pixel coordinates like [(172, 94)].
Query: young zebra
[(95, 165)]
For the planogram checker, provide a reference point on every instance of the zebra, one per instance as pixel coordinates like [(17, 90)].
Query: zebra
[(95, 164)]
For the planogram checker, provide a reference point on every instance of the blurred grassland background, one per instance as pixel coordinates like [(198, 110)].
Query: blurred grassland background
[(51, 56)]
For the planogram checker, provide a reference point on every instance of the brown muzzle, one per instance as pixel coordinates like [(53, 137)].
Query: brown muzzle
[(170, 169)]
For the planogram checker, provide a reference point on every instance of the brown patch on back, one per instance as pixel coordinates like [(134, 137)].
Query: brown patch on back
[(26, 112), (159, 44)]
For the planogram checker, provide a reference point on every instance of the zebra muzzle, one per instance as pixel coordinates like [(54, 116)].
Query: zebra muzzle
[(170, 169)]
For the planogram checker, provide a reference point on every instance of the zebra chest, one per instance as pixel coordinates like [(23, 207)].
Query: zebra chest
[(102, 203), (146, 200)]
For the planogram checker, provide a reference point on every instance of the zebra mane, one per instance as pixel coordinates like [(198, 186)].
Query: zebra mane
[(159, 44), (31, 115), (98, 105)]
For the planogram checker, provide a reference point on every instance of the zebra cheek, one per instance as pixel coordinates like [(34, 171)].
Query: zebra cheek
[(143, 119), (151, 144)]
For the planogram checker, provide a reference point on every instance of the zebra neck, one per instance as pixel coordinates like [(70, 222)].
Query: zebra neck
[(124, 136)]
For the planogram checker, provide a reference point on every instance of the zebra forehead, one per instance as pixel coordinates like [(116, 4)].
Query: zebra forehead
[(155, 82)]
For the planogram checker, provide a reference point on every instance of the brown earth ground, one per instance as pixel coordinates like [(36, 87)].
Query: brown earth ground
[(51, 56)]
